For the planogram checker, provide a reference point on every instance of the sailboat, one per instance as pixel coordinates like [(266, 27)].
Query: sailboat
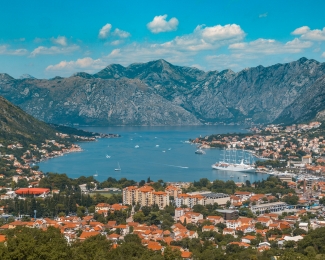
[(119, 167)]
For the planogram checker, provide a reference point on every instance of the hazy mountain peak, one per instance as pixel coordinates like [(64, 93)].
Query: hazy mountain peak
[(26, 76)]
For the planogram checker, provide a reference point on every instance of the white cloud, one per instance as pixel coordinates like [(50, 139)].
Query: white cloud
[(301, 30), (323, 55), (5, 50), (270, 46), (160, 24), (116, 42), (104, 31), (182, 50), (263, 15), (42, 50), (120, 33), (60, 40), (207, 38), (84, 64), (308, 34)]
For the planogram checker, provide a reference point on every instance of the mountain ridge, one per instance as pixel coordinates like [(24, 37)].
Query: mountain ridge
[(160, 93)]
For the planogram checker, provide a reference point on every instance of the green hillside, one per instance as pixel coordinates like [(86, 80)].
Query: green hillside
[(16, 125)]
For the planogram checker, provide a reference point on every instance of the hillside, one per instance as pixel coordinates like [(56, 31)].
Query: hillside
[(17, 125), (160, 93)]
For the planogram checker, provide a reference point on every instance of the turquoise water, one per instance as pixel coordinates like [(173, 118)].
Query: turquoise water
[(162, 154)]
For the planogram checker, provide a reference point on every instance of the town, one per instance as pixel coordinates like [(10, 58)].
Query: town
[(267, 217)]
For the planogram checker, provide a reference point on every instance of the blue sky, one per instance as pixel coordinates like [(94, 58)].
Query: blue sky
[(58, 38)]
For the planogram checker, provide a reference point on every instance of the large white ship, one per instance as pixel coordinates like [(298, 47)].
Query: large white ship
[(226, 165)]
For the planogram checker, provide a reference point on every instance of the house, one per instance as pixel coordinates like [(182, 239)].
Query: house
[(124, 229), (229, 231), (247, 239), (215, 219), (233, 224), (85, 235), (264, 221), (303, 226), (191, 217), (209, 228)]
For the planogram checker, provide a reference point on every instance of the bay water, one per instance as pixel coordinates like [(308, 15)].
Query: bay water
[(160, 152)]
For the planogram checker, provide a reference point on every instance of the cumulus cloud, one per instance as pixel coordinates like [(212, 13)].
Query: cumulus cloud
[(42, 50), (207, 38), (121, 34), (60, 40), (84, 63), (270, 46), (181, 50), (5, 50), (104, 31), (307, 34), (323, 55), (160, 24)]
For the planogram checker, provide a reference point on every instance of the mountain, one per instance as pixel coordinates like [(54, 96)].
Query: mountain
[(26, 76), (310, 104), (160, 93), (17, 125)]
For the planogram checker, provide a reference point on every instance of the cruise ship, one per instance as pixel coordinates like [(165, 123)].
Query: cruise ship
[(226, 165), (235, 167)]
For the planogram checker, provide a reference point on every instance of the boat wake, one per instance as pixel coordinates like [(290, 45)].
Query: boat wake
[(182, 167)]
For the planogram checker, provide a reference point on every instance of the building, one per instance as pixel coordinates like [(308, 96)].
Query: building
[(173, 191), (219, 198), (145, 196), (228, 214), (270, 207), (201, 198)]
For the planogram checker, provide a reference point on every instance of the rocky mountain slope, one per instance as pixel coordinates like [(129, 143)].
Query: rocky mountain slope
[(159, 93)]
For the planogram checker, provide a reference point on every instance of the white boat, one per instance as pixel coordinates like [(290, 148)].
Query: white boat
[(108, 156), (95, 175), (199, 151), (137, 146), (226, 165), (119, 168)]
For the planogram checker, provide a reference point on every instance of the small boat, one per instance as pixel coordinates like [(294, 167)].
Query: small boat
[(137, 146), (95, 175), (157, 145), (199, 151), (119, 168), (108, 156), (244, 175), (231, 176), (164, 151), (169, 149)]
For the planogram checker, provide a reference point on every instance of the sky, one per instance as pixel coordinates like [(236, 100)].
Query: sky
[(59, 38)]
